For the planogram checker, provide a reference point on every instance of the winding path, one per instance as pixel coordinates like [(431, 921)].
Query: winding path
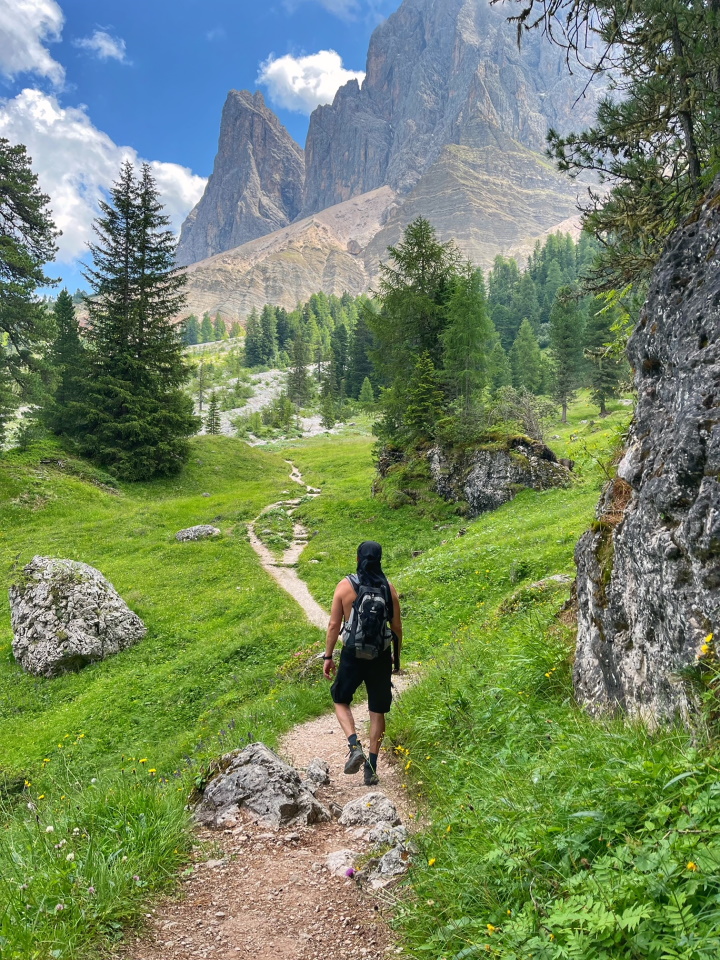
[(283, 570)]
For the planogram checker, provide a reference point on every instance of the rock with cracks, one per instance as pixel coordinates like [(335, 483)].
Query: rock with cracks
[(200, 532), (257, 779), (65, 615), (648, 582), (369, 810)]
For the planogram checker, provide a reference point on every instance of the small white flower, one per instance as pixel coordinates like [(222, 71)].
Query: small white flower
[(70, 856), (76, 831), (49, 829), (94, 780)]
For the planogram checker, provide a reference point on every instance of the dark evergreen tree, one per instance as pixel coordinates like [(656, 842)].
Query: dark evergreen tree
[(299, 387), (425, 400), (219, 329), (526, 361), (137, 419), (367, 394), (466, 338), (566, 346), (68, 361), (192, 330), (212, 421), (27, 244), (207, 330), (201, 382), (499, 370), (606, 368), (235, 330), (268, 336), (253, 341), (363, 343), (339, 345)]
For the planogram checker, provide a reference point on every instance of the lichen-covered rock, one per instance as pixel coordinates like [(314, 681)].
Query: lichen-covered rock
[(318, 771), (65, 615), (369, 810), (200, 532), (649, 570), (487, 477), (256, 778)]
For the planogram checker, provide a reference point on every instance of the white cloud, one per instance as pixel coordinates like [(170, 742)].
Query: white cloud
[(75, 163), (302, 83), (25, 27), (104, 46)]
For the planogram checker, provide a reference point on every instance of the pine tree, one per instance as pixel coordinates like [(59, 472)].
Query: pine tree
[(424, 400), (253, 341), (339, 344), (500, 372), (201, 382), (212, 421), (137, 417), (526, 360), (566, 346), (367, 394), (235, 330), (268, 335), (27, 243), (360, 366), (466, 338), (606, 368), (219, 330), (207, 330), (192, 330), (68, 361), (299, 387)]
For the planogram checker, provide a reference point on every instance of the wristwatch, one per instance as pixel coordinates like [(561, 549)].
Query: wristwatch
[(327, 657)]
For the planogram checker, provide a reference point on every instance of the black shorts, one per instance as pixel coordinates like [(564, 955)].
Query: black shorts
[(375, 674)]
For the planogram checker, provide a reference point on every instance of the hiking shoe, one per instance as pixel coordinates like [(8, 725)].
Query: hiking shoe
[(370, 777), (355, 759)]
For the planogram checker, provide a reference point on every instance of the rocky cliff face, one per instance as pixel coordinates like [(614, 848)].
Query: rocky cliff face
[(649, 572), (438, 74), (256, 186)]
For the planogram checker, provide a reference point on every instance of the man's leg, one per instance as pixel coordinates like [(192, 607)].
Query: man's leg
[(377, 731), (345, 719)]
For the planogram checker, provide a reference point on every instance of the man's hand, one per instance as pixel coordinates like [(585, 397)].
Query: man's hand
[(329, 668)]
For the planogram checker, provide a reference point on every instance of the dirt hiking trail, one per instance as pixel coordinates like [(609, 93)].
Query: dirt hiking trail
[(257, 893)]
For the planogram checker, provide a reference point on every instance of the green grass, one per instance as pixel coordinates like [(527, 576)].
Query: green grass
[(275, 529)]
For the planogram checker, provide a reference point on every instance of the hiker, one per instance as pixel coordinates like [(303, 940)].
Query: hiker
[(366, 612)]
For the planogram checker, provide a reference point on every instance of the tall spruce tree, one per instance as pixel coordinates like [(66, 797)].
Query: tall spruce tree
[(299, 387), (212, 421), (207, 330), (192, 330), (268, 335), (253, 341), (526, 360), (466, 338), (219, 329), (566, 346), (68, 361), (499, 370), (425, 400), (606, 368), (362, 344), (137, 418), (27, 244)]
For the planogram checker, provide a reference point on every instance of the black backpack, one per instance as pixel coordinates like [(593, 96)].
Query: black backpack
[(367, 632)]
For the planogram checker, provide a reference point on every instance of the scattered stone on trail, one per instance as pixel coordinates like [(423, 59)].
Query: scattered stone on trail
[(369, 810), (206, 494), (555, 578), (200, 532), (318, 771), (386, 835), (340, 862), (65, 615), (383, 871), (256, 778)]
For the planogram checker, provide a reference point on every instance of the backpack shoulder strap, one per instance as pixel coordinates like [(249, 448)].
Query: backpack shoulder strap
[(353, 580)]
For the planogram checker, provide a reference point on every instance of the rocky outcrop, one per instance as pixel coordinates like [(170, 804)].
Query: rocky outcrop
[(256, 185), (490, 475), (438, 74), (202, 531), (648, 580), (257, 779), (65, 615)]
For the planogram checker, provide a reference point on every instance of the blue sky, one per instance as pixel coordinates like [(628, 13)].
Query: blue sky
[(85, 84)]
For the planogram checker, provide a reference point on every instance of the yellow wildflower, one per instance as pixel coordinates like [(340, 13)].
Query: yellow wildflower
[(144, 760), (152, 770), (431, 862), (28, 783), (41, 797), (691, 866), (491, 928), (449, 828)]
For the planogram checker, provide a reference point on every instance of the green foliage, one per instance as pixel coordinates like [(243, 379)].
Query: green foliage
[(566, 346), (207, 331), (275, 529), (192, 330), (526, 361), (212, 421), (219, 330), (299, 387), (367, 394), (135, 417), (27, 244), (466, 338), (68, 361)]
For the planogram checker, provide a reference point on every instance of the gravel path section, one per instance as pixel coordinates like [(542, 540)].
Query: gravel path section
[(254, 893)]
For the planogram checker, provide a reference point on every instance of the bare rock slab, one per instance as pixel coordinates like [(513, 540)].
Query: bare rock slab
[(65, 615), (369, 810), (257, 779), (200, 532)]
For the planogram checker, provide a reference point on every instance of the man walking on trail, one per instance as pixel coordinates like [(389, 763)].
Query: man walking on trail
[(366, 610)]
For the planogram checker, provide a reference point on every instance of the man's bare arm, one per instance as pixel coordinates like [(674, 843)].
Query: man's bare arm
[(333, 630)]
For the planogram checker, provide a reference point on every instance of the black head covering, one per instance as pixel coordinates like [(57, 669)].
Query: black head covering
[(369, 569)]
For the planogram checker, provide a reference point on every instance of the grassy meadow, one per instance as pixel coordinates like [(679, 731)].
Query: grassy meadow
[(544, 834)]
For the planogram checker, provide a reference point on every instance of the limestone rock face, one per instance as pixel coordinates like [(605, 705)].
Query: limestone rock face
[(65, 615), (256, 184), (256, 778), (487, 478), (368, 810), (648, 580), (437, 74)]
